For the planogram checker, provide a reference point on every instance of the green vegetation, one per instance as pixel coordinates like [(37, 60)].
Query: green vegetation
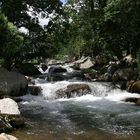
[(78, 28), (10, 41)]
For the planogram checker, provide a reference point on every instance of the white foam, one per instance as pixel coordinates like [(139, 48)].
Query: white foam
[(100, 91)]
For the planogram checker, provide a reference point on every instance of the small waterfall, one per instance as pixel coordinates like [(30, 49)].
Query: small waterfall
[(98, 91)]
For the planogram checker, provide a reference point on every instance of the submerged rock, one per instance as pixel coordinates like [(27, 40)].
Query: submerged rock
[(4, 136), (131, 99), (12, 83), (73, 90)]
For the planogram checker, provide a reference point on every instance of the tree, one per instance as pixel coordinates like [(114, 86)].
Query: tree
[(10, 41), (121, 27), (27, 13)]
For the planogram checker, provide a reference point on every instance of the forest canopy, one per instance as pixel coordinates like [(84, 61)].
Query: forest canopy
[(77, 28)]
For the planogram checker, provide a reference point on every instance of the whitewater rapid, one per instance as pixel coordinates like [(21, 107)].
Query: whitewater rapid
[(103, 110), (99, 91)]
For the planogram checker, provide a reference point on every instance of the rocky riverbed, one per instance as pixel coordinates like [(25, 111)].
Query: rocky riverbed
[(83, 99)]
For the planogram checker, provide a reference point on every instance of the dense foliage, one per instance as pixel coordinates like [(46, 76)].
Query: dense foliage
[(10, 41), (80, 27), (101, 26)]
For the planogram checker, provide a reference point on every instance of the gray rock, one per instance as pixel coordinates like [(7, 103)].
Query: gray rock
[(87, 64), (73, 90), (125, 74), (4, 136), (12, 83), (9, 115), (9, 106), (133, 86), (131, 99), (82, 60)]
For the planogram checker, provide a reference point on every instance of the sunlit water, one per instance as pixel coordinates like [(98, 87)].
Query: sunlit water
[(101, 115)]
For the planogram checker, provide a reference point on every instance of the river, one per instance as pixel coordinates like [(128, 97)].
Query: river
[(102, 115)]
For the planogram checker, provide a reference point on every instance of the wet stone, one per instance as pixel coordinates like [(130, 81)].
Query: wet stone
[(73, 90)]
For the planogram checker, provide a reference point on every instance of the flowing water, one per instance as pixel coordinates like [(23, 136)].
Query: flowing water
[(101, 115)]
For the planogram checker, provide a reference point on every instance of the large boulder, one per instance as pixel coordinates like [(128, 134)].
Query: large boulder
[(125, 74), (12, 83), (133, 86), (83, 63), (4, 136), (73, 90), (9, 106), (28, 69)]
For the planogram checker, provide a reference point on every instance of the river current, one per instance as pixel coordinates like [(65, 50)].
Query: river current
[(102, 115)]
